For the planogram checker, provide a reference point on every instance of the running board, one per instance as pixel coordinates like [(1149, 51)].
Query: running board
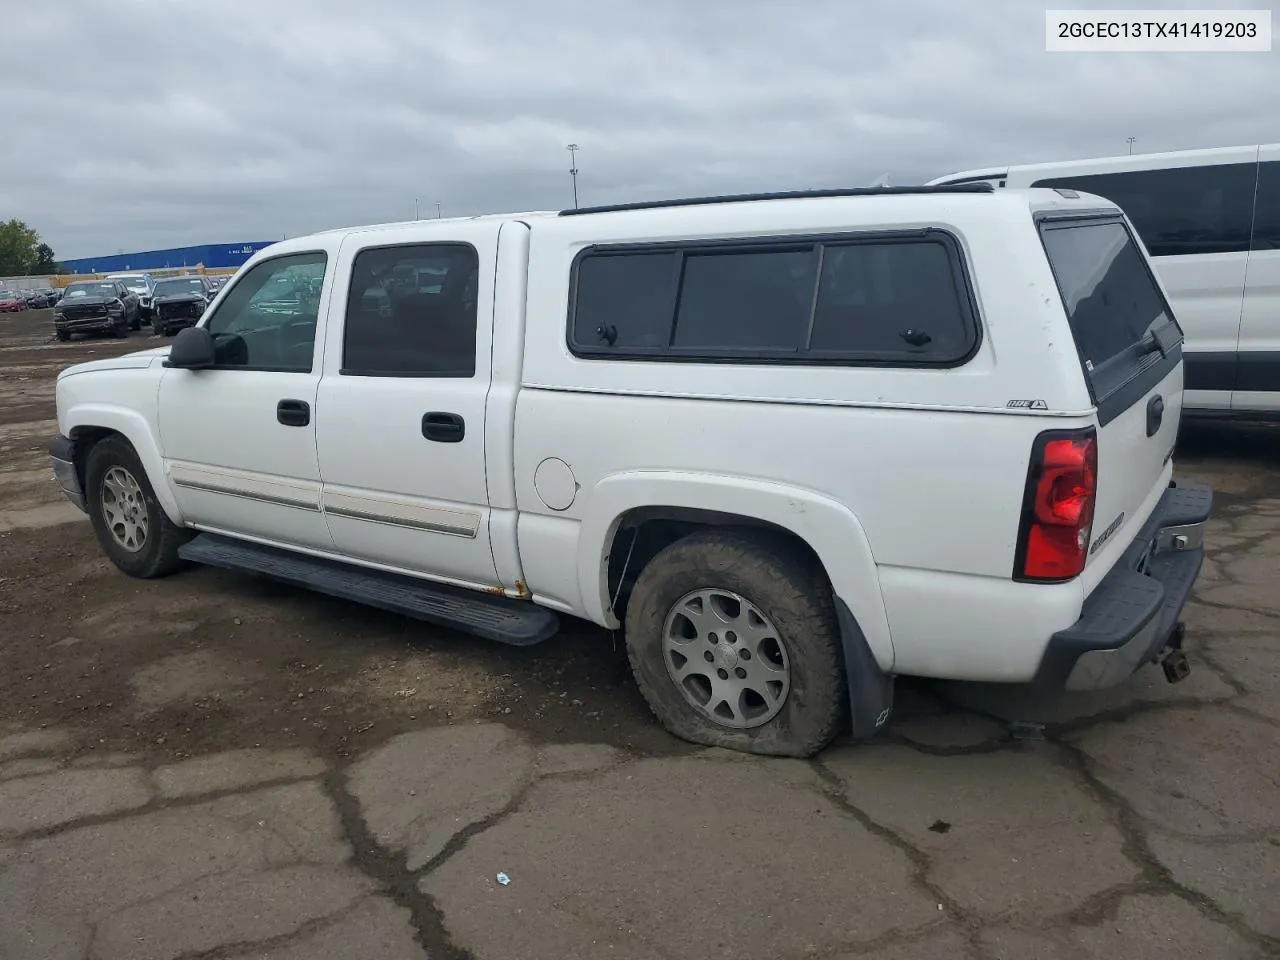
[(515, 622)]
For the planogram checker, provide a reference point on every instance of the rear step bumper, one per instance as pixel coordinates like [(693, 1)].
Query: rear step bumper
[(1133, 614)]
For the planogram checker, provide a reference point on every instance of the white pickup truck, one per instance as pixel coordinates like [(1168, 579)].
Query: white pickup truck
[(794, 445)]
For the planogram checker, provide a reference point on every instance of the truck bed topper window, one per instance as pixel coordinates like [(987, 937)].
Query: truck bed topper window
[(898, 299)]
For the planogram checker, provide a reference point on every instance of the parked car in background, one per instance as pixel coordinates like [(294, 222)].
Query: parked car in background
[(1210, 220), (517, 441), (37, 299), (96, 306), (179, 302), (144, 287), (12, 302)]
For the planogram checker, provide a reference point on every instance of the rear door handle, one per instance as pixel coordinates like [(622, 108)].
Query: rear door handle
[(443, 427), (293, 413), (1155, 414)]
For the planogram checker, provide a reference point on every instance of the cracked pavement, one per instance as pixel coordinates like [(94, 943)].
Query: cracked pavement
[(206, 767)]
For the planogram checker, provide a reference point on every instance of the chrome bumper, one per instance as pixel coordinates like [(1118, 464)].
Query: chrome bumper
[(63, 452)]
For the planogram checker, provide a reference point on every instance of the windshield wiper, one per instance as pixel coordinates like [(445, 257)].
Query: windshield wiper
[(1163, 338)]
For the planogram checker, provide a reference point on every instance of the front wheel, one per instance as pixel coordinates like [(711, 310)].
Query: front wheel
[(62, 335), (733, 640), (129, 522)]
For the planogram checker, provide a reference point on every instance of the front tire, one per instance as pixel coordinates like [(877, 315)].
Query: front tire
[(131, 526), (733, 641), (62, 335)]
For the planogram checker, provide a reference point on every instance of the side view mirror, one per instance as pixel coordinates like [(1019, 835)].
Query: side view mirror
[(192, 350)]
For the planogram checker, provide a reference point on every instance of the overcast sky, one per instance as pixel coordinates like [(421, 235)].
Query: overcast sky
[(137, 124)]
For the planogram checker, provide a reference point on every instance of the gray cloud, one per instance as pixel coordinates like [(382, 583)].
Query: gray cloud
[(148, 123)]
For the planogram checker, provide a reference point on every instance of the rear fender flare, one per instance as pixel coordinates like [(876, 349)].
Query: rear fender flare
[(830, 529)]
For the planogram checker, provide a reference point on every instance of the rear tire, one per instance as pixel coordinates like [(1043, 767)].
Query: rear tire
[(131, 526), (719, 595)]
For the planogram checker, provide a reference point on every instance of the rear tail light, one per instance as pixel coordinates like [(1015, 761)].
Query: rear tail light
[(1057, 506)]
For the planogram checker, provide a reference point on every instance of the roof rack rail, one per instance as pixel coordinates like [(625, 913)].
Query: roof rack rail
[(786, 195)]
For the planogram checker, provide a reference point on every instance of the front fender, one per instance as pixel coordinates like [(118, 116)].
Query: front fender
[(133, 427), (827, 526)]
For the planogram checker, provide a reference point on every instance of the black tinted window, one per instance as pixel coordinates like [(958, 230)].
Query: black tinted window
[(882, 299), (411, 311), (746, 301), (626, 300), (1266, 218), (879, 298), (1110, 296), (268, 318), (1179, 210)]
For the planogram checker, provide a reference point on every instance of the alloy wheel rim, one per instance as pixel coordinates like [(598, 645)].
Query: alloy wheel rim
[(124, 510), (727, 658)]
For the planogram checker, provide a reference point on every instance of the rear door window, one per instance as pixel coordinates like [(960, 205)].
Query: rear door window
[(1124, 330), (411, 312)]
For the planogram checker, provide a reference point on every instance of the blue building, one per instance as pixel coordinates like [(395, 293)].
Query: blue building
[(210, 255)]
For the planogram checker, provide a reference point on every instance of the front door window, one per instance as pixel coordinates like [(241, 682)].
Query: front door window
[(267, 321)]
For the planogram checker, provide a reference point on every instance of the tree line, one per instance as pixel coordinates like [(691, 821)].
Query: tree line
[(23, 253)]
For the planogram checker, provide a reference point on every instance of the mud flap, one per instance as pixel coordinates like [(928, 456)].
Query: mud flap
[(870, 688)]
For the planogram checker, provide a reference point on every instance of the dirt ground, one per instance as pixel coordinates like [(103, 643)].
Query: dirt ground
[(208, 659), (117, 671)]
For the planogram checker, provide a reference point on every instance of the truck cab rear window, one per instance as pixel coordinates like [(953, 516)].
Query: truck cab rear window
[(903, 301)]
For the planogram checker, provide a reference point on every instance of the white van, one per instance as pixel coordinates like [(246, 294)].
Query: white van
[(1210, 220)]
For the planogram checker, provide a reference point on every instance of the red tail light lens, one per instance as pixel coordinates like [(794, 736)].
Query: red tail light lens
[(1057, 513)]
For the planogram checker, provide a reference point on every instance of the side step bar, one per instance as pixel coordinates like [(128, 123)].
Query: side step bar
[(515, 622)]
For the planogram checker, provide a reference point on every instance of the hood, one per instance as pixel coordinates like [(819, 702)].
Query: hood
[(178, 297), (93, 299), (130, 361)]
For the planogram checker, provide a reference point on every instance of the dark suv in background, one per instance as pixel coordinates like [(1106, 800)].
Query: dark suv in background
[(178, 302), (96, 306)]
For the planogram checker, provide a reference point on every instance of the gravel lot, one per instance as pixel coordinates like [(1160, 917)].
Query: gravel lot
[(215, 766)]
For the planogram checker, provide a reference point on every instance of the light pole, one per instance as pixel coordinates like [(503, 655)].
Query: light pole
[(1130, 140), (415, 208), (573, 149), (437, 209)]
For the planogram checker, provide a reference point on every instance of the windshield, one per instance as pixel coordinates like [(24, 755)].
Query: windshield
[(91, 290), (173, 288)]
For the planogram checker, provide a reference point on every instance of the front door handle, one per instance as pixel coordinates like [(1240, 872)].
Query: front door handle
[(1155, 414), (443, 427), (293, 413)]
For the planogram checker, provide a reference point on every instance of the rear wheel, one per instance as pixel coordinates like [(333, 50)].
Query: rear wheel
[(733, 640), (129, 522)]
